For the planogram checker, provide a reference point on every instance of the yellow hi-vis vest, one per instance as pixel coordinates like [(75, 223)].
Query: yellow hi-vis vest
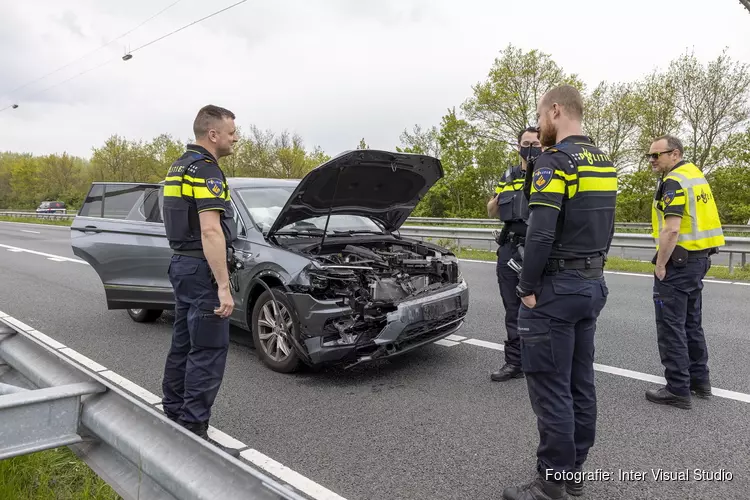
[(700, 228)]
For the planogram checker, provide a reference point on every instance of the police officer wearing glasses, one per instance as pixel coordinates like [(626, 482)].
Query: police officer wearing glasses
[(572, 194), (688, 230), (511, 206), (199, 223)]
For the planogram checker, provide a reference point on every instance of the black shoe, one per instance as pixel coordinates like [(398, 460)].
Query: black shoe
[(702, 390), (507, 372), (538, 489), (201, 429), (663, 397), (574, 487)]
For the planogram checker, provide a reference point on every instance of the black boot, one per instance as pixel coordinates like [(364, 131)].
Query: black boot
[(702, 390), (663, 397), (538, 489), (201, 429), (574, 487), (507, 372)]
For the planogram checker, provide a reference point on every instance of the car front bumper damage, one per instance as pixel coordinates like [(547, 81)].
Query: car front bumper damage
[(414, 322)]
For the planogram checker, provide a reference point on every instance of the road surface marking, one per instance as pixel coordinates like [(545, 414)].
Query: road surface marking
[(623, 273), (288, 475), (445, 342), (455, 338), (28, 231), (484, 343), (49, 255)]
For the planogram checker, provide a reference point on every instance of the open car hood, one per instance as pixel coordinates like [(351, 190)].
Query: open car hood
[(382, 185)]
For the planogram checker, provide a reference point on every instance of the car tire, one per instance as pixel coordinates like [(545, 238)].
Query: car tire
[(144, 315), (280, 358)]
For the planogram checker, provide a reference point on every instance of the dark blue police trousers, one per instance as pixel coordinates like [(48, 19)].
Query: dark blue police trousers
[(557, 357), (197, 357), (678, 306), (507, 280)]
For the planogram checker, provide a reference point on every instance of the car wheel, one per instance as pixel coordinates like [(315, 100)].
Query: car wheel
[(144, 315), (275, 349)]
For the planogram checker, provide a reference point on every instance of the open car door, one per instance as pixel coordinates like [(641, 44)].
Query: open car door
[(119, 231)]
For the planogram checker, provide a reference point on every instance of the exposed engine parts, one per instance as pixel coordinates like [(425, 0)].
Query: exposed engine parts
[(373, 279)]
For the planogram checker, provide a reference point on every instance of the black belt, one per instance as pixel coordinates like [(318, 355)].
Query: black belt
[(191, 253), (555, 265), (697, 254)]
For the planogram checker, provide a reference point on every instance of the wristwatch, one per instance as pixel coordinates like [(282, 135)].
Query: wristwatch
[(521, 293)]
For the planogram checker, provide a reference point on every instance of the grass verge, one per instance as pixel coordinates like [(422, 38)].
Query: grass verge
[(51, 474), (34, 220), (627, 265)]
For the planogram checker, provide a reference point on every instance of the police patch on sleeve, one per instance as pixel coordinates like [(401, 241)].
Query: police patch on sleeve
[(215, 186), (668, 198), (542, 178)]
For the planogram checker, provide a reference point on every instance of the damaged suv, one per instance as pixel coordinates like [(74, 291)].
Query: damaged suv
[(323, 276)]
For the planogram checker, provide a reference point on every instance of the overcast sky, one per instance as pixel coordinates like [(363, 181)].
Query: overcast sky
[(331, 70)]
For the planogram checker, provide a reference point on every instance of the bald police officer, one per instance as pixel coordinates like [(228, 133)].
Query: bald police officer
[(511, 206), (688, 230), (572, 196), (198, 219)]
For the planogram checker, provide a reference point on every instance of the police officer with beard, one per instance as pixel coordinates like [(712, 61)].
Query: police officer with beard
[(572, 195), (199, 224), (511, 206)]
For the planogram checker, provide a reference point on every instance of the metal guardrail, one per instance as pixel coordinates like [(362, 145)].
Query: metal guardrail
[(734, 245), (38, 215), (48, 400), (737, 228)]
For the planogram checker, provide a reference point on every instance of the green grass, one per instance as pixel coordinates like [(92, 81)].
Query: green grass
[(34, 220), (51, 475), (627, 265)]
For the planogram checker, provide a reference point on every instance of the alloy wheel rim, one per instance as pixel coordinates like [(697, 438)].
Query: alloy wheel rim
[(272, 339)]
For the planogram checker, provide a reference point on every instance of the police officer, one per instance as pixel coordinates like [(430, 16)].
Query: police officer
[(198, 219), (688, 230), (511, 206), (572, 194)]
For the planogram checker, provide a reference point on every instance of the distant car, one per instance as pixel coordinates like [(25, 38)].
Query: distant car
[(349, 288), (47, 207)]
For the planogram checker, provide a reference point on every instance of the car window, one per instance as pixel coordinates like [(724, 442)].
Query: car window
[(265, 204), (92, 205), (148, 207), (120, 199)]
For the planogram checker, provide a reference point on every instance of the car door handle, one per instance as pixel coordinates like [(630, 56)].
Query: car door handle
[(91, 229)]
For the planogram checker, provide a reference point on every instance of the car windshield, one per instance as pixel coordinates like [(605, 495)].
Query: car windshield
[(265, 204)]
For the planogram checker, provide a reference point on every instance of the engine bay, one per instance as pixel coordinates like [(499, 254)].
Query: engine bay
[(372, 278)]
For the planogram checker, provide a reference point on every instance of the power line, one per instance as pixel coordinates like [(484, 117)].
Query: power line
[(187, 26), (129, 55), (93, 51)]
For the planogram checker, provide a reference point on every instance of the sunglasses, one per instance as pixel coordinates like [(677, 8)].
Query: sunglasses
[(655, 156)]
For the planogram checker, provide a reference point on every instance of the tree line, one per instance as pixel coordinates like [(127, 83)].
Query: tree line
[(705, 104)]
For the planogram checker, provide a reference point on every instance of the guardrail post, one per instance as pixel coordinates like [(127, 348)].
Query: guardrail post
[(458, 244), (744, 259), (731, 262)]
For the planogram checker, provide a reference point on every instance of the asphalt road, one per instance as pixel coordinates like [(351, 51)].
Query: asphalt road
[(431, 424)]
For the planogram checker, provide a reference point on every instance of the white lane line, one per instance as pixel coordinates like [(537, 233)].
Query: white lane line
[(622, 372), (288, 475), (136, 389), (623, 273), (455, 338), (54, 344), (225, 439), (484, 343), (51, 256), (28, 231), (87, 362), (56, 259), (447, 343)]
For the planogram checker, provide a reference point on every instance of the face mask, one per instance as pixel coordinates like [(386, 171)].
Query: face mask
[(530, 152)]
